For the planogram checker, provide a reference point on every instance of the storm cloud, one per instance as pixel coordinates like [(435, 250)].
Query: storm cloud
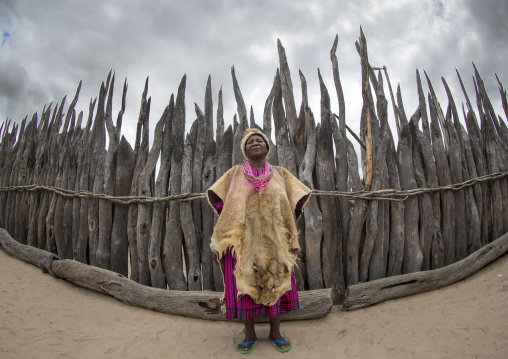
[(52, 45)]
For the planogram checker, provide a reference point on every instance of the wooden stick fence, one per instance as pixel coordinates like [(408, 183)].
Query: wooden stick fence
[(431, 199)]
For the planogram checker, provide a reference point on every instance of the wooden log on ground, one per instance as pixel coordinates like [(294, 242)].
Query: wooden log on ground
[(366, 294), (200, 305), (27, 253)]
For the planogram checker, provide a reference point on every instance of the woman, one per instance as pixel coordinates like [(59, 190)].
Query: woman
[(255, 240)]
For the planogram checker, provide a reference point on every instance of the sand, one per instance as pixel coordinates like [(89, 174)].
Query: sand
[(44, 317)]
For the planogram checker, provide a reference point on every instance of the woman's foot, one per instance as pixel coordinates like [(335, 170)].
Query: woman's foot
[(280, 343), (246, 345)]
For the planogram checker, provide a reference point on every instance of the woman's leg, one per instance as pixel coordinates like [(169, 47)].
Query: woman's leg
[(250, 334), (275, 333)]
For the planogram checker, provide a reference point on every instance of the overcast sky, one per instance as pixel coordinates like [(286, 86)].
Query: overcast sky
[(48, 46)]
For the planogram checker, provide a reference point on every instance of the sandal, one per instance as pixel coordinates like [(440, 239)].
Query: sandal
[(282, 350), (245, 346)]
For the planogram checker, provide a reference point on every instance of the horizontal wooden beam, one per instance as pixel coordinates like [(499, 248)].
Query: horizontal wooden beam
[(196, 304), (26, 253), (365, 294)]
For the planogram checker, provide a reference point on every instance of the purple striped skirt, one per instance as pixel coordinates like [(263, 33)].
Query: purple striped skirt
[(244, 308)]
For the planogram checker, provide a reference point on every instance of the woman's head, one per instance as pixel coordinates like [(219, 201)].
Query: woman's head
[(255, 144)]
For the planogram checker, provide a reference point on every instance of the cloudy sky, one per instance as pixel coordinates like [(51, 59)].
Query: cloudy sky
[(48, 46)]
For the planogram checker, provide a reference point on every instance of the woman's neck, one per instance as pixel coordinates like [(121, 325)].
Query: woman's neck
[(257, 164)]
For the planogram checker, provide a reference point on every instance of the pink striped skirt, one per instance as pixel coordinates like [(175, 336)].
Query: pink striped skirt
[(244, 308)]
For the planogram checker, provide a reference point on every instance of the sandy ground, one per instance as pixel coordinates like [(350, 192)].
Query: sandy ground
[(44, 317)]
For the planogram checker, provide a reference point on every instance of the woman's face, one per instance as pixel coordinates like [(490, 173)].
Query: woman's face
[(255, 148)]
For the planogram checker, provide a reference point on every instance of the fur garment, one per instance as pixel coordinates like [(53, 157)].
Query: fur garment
[(260, 227)]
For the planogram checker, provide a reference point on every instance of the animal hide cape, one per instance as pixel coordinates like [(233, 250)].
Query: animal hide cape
[(261, 229)]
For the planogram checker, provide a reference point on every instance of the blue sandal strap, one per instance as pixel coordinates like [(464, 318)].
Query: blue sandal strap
[(280, 342), (251, 342)]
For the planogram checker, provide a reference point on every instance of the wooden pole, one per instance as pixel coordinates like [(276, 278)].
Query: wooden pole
[(172, 247)]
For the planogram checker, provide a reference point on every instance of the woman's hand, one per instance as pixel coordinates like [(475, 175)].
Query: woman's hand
[(219, 262), (296, 252), (216, 258)]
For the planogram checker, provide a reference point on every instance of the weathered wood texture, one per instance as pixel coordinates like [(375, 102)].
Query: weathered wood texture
[(27, 253), (201, 305), (366, 294), (344, 240)]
